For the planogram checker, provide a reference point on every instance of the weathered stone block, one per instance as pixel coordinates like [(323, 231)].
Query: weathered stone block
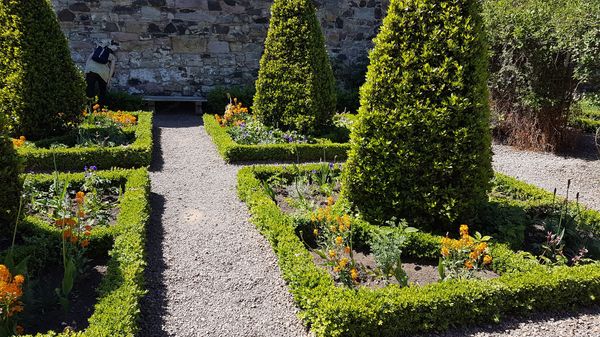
[(189, 44)]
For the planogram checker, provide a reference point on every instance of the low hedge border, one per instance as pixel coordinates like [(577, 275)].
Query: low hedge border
[(394, 311), (137, 154), (233, 152), (117, 311)]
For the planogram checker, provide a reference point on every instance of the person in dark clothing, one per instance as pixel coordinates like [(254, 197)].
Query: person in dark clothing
[(99, 70)]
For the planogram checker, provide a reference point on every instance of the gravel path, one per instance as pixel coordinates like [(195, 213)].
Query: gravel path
[(210, 272), (550, 171)]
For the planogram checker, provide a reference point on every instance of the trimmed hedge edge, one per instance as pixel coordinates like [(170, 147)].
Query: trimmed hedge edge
[(393, 311), (233, 152), (118, 308), (137, 154)]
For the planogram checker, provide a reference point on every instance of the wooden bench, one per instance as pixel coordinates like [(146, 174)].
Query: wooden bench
[(151, 100)]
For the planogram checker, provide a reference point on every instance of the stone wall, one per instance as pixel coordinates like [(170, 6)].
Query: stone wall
[(187, 47)]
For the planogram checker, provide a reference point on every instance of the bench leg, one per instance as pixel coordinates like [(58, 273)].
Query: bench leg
[(198, 108)]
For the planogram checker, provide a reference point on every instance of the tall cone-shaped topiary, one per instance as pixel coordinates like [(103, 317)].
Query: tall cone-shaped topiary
[(295, 89), (9, 177), (421, 149), (41, 90)]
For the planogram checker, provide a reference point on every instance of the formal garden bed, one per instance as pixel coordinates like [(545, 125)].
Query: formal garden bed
[(107, 138), (82, 241), (341, 297), (256, 143)]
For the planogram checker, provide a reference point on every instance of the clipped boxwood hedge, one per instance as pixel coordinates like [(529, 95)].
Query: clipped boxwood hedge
[(329, 310), (117, 311), (137, 154), (233, 152)]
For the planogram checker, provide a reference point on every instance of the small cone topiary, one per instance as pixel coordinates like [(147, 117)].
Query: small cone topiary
[(295, 89), (41, 90), (9, 177), (421, 149)]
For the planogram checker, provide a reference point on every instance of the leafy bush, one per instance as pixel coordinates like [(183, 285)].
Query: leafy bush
[(9, 193), (295, 89), (420, 149), (40, 88), (121, 100), (218, 98), (542, 50)]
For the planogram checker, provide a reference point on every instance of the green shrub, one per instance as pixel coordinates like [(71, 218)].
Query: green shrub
[(9, 173), (525, 286), (40, 88), (218, 98), (121, 100), (542, 51), (295, 89), (421, 147)]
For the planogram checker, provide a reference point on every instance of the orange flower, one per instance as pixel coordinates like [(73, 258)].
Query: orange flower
[(87, 233), (339, 240), (74, 239), (19, 279), (65, 222), (81, 213), (469, 264), (80, 197), (67, 234), (445, 251), (85, 243), (19, 330), (330, 201), (88, 228), (487, 259), (347, 250), (474, 255)]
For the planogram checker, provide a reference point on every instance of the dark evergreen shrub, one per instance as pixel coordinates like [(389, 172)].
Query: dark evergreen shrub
[(421, 147), (542, 52), (295, 89), (9, 176), (40, 88)]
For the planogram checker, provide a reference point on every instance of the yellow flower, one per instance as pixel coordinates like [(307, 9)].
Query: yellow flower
[(336, 269), (332, 254), (343, 263), (330, 201), (316, 232), (464, 230), (339, 240), (445, 251), (19, 279), (487, 259), (354, 274)]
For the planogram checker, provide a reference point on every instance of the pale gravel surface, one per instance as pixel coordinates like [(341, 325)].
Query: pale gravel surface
[(550, 171), (210, 271)]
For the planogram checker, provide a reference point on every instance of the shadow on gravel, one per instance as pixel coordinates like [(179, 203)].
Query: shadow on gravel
[(522, 324), (154, 304), (173, 121), (157, 154)]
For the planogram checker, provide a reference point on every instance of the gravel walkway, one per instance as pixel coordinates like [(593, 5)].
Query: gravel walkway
[(210, 272), (550, 171)]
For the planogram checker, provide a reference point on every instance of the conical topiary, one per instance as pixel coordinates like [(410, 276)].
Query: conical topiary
[(9, 177), (41, 90), (295, 87), (421, 149)]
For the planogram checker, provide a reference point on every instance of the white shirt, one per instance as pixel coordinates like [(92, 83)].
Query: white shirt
[(104, 70)]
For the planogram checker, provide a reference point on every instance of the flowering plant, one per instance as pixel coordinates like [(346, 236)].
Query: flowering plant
[(462, 258), (334, 238), (11, 291), (18, 142), (235, 114)]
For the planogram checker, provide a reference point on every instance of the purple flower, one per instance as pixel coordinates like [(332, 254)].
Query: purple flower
[(93, 168), (85, 168), (288, 138), (331, 166), (314, 171)]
